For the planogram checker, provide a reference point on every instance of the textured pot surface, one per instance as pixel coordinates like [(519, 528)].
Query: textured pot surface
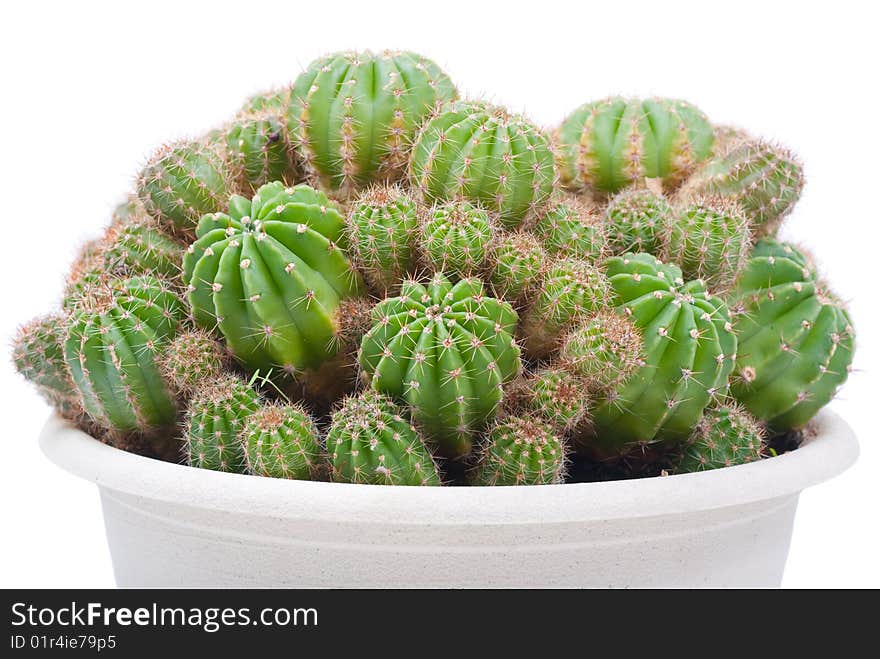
[(172, 525)]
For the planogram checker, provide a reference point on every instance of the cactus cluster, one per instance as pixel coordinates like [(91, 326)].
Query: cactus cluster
[(363, 278)]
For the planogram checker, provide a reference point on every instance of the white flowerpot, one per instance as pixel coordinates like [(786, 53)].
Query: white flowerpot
[(171, 525)]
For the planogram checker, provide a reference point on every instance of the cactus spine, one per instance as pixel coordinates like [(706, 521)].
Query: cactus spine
[(725, 436), (555, 394), (192, 358), (521, 451), (282, 441), (455, 238)]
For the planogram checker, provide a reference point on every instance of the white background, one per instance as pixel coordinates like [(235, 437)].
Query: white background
[(89, 90)]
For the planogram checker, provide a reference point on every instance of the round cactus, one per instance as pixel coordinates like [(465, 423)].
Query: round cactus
[(111, 348), (353, 116), (558, 396), (725, 436), (766, 180), (38, 355), (521, 451), (381, 233), (192, 358), (516, 261), (570, 290), (182, 182), (257, 151), (689, 350), (709, 239), (610, 144), (796, 338), (636, 221), (134, 248), (446, 350), (727, 138), (605, 350), (370, 441), (455, 238), (270, 276), (215, 416), (573, 229), (482, 153), (282, 441)]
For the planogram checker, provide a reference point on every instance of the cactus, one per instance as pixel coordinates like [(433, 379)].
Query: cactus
[(610, 144), (134, 248), (270, 276), (689, 350), (573, 229), (447, 351), (192, 358), (455, 238), (381, 233), (483, 154), (555, 394), (181, 182), (370, 441), (605, 350), (765, 179), (353, 116), (796, 338), (111, 346), (517, 258), (636, 221), (521, 451), (282, 441), (215, 417), (725, 436), (257, 151), (710, 240), (570, 290), (727, 138)]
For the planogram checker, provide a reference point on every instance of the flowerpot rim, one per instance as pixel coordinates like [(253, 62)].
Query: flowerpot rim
[(825, 453)]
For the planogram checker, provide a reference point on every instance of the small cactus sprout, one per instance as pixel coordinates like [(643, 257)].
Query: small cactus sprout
[(85, 274), (570, 291), (352, 116), (709, 239), (38, 355), (516, 261), (573, 229), (617, 142), (270, 276), (192, 358), (370, 441), (446, 350), (765, 179), (136, 248), (636, 221), (381, 232), (796, 338), (558, 396), (484, 154), (215, 417), (257, 151), (181, 182), (725, 436), (605, 350), (282, 441), (113, 340), (727, 138), (130, 211), (521, 451), (455, 238)]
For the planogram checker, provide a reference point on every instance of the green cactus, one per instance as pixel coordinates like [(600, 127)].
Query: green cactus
[(282, 441), (765, 179), (192, 358), (573, 229), (636, 221), (483, 154), (610, 144), (86, 273), (215, 417), (455, 238), (521, 451), (689, 349), (182, 182), (353, 116), (111, 347), (727, 138), (725, 436), (604, 350), (516, 261), (370, 441), (796, 338), (381, 233), (130, 211), (446, 350), (270, 276), (134, 248), (558, 396), (257, 151), (570, 290)]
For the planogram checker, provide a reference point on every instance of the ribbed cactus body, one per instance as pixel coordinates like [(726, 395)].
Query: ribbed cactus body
[(521, 451), (282, 441), (371, 441), (609, 144), (573, 229), (688, 346), (38, 355), (111, 348), (446, 350), (192, 358), (556, 395), (135, 248), (725, 436), (455, 238), (636, 221), (353, 116), (482, 153), (516, 261), (270, 276), (257, 151), (604, 350), (796, 338)]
